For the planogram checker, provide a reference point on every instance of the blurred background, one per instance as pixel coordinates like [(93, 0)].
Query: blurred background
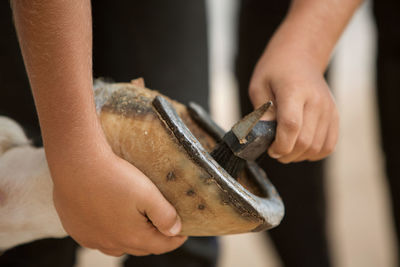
[(360, 229)]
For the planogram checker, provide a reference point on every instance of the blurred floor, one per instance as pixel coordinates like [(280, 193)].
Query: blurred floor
[(360, 227)]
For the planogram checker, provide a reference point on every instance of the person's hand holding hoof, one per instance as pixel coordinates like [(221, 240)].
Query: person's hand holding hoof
[(105, 203)]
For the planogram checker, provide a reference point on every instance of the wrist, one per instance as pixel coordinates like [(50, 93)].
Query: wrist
[(295, 47), (308, 33), (76, 147)]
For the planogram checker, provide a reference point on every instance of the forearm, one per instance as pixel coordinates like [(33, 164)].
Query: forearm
[(56, 43), (102, 200), (312, 28)]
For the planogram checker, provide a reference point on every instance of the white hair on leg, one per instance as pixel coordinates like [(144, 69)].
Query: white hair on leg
[(26, 190), (11, 134)]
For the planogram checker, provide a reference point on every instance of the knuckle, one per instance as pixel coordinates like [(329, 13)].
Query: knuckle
[(108, 245), (131, 243), (328, 149), (316, 100), (303, 142), (314, 149), (282, 150), (290, 124), (168, 220)]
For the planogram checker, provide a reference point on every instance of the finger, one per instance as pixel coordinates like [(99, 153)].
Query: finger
[(259, 93), (155, 242), (137, 252), (306, 135), (162, 214), (160, 244), (289, 122), (331, 140), (114, 253), (319, 139)]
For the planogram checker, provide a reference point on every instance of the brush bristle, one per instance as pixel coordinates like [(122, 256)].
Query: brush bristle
[(225, 157)]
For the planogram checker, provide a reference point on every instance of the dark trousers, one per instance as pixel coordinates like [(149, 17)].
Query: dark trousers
[(163, 41), (301, 238), (386, 14)]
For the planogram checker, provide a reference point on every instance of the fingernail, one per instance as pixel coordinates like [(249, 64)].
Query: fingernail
[(176, 228)]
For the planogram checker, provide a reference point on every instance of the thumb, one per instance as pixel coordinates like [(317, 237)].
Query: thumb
[(163, 215)]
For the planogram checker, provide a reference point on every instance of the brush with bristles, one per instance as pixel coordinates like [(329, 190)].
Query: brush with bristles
[(247, 140)]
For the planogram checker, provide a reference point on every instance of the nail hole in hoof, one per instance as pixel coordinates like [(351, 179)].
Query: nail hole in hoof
[(190, 192), (171, 176)]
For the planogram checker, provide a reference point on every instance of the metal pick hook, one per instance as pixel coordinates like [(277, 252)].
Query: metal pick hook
[(243, 127)]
